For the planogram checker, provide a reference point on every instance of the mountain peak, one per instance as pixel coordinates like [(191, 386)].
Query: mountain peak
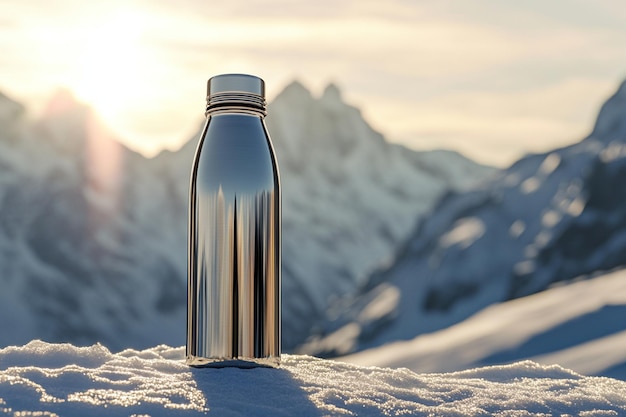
[(612, 116), (622, 89), (63, 101), (332, 92), (10, 110), (295, 90), (72, 125)]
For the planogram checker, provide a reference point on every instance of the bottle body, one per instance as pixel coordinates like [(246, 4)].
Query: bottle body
[(234, 245)]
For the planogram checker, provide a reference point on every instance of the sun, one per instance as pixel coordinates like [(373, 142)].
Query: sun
[(112, 64)]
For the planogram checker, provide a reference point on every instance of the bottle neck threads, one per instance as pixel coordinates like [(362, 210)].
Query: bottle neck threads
[(236, 101), (236, 93)]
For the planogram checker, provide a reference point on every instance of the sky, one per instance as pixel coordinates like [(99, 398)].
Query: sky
[(493, 80)]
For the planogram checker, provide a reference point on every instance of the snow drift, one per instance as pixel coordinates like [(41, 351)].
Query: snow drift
[(41, 379), (579, 326)]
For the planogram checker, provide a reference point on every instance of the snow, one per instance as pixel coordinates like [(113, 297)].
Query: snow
[(464, 233), (41, 379), (579, 326), (347, 194), (93, 236), (382, 305), (551, 217)]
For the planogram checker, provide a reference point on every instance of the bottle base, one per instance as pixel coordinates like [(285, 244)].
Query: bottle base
[(243, 363)]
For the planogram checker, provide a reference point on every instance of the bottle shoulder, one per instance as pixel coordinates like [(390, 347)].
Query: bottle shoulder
[(235, 120), (235, 151)]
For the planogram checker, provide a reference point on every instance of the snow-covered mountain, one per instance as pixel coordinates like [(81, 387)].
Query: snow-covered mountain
[(93, 235), (81, 257), (553, 217), (579, 326), (349, 197)]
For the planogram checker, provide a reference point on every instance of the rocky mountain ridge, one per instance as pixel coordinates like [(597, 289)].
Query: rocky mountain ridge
[(550, 218), (93, 235)]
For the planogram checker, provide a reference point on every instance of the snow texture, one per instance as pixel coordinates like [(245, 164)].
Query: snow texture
[(41, 379)]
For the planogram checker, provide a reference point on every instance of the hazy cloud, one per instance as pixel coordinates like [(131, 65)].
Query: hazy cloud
[(514, 76)]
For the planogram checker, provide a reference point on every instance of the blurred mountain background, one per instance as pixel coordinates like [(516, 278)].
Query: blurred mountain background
[(453, 204), (381, 243), (94, 234), (549, 219)]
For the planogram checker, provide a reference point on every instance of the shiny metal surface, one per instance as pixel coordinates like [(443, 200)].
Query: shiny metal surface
[(234, 244), (233, 91), (243, 83)]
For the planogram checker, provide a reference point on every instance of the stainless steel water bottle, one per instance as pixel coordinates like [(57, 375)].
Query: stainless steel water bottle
[(233, 299)]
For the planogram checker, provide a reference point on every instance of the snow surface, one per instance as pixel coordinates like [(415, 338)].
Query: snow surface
[(41, 379), (579, 326)]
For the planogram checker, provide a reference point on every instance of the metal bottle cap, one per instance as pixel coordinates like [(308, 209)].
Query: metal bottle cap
[(236, 83), (229, 90)]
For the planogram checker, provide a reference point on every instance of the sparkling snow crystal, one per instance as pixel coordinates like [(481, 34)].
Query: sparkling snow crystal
[(42, 379)]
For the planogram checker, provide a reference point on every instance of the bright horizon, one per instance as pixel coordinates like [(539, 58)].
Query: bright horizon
[(491, 80)]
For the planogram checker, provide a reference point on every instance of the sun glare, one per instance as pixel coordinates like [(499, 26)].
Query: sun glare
[(112, 63)]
